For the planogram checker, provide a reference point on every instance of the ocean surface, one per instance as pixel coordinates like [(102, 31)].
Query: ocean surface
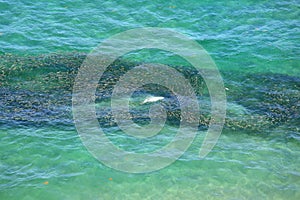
[(256, 47)]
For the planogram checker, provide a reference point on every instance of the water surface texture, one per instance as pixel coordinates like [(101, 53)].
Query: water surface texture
[(255, 45)]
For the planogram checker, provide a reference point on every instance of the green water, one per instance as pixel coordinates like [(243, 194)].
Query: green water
[(255, 44)]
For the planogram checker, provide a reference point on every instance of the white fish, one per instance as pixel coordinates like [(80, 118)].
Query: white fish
[(152, 99)]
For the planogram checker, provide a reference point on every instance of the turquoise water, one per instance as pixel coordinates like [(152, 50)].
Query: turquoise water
[(254, 44)]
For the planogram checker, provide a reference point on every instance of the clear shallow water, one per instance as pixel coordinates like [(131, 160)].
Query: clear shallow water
[(254, 44), (266, 33), (240, 166)]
